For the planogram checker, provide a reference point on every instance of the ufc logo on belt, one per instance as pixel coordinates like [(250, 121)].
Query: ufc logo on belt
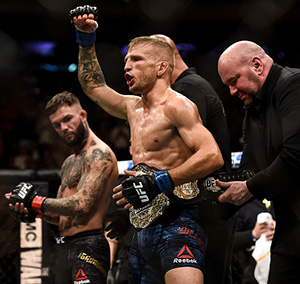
[(142, 194)]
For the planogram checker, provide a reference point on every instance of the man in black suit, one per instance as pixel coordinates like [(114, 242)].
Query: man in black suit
[(271, 95)]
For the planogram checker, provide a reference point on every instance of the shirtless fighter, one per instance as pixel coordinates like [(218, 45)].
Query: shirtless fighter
[(171, 149), (87, 179)]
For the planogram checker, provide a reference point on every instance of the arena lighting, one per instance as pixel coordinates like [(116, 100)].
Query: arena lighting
[(50, 67), (72, 67), (59, 67), (44, 48)]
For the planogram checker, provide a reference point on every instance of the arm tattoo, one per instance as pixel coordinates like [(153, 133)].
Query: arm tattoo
[(90, 73), (89, 188)]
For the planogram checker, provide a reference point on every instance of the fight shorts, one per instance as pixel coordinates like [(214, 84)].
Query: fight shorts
[(174, 240), (82, 258)]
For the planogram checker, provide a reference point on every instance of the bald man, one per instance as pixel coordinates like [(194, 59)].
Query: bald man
[(186, 81), (271, 130)]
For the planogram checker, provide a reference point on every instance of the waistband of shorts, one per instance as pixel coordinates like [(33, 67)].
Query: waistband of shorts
[(62, 240)]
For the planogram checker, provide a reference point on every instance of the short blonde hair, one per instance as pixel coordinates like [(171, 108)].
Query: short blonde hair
[(167, 55)]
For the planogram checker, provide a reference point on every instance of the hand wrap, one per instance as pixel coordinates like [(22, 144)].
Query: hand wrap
[(83, 38), (141, 189)]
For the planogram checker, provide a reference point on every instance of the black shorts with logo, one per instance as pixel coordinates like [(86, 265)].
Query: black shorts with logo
[(82, 258)]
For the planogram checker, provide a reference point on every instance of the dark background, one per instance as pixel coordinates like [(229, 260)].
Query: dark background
[(37, 46)]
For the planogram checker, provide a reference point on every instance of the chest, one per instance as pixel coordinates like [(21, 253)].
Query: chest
[(150, 130)]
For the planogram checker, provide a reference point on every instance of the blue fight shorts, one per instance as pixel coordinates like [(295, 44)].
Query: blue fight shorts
[(175, 240), (82, 258)]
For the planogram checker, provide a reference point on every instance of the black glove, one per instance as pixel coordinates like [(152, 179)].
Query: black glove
[(119, 225), (142, 189), (83, 38), (81, 10), (25, 193), (22, 217)]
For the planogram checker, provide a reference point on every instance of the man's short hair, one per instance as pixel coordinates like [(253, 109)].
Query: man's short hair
[(59, 99), (167, 55)]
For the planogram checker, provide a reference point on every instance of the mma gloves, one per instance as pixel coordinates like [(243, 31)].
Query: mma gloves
[(25, 193), (142, 189), (83, 38)]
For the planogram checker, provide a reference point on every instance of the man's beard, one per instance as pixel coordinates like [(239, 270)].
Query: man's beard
[(79, 136)]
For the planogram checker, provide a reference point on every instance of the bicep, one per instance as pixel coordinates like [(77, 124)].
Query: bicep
[(109, 100), (192, 131)]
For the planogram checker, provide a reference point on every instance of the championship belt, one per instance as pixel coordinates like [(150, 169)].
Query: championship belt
[(142, 217), (213, 212)]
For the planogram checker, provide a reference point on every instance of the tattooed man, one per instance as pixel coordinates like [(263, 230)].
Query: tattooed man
[(87, 179), (170, 150)]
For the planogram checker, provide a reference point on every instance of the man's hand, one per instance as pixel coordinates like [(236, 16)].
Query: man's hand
[(139, 190), (236, 192), (264, 228), (85, 18), (19, 212), (119, 225)]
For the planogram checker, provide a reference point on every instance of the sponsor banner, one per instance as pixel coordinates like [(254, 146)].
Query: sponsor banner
[(31, 234), (31, 266), (31, 247), (31, 252)]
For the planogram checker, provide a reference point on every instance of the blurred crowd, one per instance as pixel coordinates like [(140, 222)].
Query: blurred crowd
[(27, 139)]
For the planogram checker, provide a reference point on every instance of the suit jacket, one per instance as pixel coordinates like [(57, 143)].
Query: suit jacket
[(272, 149)]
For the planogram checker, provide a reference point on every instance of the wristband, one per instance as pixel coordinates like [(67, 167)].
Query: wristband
[(85, 38), (37, 203), (163, 180)]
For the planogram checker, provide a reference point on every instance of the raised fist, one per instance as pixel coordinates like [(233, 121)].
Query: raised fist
[(84, 23)]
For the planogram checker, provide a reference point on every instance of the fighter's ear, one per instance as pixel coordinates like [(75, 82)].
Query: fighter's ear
[(83, 114), (257, 65), (163, 67)]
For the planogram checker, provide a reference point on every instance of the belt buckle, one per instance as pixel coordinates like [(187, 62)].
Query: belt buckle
[(187, 190), (142, 217), (209, 184)]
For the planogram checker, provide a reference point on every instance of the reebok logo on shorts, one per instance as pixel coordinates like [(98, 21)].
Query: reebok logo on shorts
[(81, 278), (185, 256)]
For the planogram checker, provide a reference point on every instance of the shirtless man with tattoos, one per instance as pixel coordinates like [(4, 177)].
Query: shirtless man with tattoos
[(87, 180), (171, 149)]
